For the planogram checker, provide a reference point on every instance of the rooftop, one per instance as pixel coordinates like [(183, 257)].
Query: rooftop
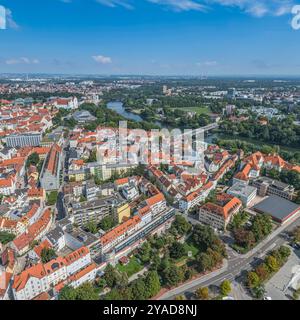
[(277, 207)]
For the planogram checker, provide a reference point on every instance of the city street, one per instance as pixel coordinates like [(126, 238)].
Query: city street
[(237, 265)]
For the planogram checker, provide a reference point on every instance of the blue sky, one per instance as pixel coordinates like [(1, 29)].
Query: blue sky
[(155, 37)]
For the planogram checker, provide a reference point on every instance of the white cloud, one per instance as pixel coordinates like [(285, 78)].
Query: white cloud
[(2, 18), (6, 19), (181, 5), (102, 59), (207, 64), (10, 21), (22, 60), (116, 3), (258, 8)]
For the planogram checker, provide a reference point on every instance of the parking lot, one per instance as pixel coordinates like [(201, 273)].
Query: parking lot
[(277, 287)]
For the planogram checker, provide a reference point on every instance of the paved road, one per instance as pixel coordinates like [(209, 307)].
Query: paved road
[(60, 207), (237, 265)]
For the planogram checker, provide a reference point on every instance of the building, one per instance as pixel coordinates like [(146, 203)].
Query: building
[(56, 238), (106, 171), (50, 175), (123, 212), (281, 210), (83, 116), (195, 198), (219, 214), (130, 193), (243, 192), (95, 210), (36, 231), (119, 233), (66, 103), (7, 186), (267, 186), (24, 140), (42, 278)]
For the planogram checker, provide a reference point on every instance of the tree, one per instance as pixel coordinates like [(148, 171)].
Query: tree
[(52, 198), (259, 292), (145, 252), (107, 223), (202, 293), (203, 236), (84, 292), (177, 250), (82, 198), (253, 279), (173, 276), (296, 234), (139, 290), (152, 284), (261, 226), (272, 264), (33, 160), (6, 237), (205, 262), (67, 293), (244, 238), (180, 226), (47, 254), (262, 272), (91, 227), (225, 287), (111, 276), (92, 157)]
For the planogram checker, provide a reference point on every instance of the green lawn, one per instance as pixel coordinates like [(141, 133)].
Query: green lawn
[(190, 247), (133, 267), (198, 110)]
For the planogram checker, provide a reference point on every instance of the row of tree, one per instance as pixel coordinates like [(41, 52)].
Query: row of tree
[(264, 271)]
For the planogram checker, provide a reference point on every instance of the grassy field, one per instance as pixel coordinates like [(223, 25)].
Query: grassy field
[(198, 110), (133, 267), (190, 247)]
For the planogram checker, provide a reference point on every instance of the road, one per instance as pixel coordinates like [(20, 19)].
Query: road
[(60, 207), (237, 265)]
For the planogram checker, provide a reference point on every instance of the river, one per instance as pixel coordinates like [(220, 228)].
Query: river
[(118, 107)]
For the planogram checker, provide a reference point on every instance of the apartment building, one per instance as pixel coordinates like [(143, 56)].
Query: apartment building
[(34, 232), (73, 269), (24, 140), (218, 214), (95, 210), (267, 186)]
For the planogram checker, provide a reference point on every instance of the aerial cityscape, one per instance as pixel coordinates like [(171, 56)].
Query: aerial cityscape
[(129, 172)]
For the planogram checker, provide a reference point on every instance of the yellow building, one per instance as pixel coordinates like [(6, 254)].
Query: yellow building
[(77, 176), (123, 212)]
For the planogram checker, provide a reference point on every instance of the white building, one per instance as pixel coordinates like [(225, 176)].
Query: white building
[(244, 192), (42, 277)]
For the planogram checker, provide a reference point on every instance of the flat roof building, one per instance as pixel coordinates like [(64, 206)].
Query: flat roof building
[(244, 192), (278, 208), (267, 186)]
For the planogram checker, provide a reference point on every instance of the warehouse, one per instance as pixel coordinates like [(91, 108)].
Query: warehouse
[(278, 208)]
